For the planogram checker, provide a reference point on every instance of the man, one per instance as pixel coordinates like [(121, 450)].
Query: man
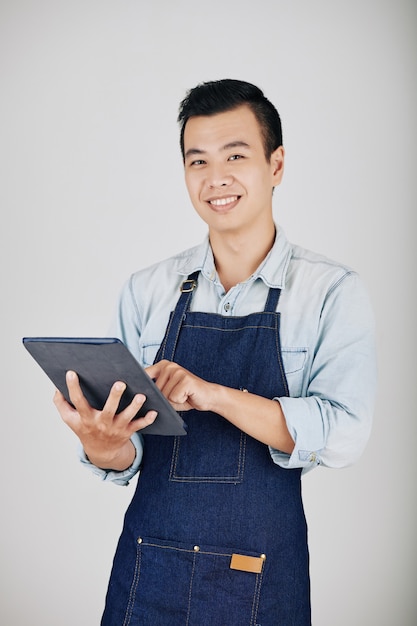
[(268, 350)]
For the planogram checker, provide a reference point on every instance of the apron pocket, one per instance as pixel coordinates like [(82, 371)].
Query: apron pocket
[(213, 451), (181, 584)]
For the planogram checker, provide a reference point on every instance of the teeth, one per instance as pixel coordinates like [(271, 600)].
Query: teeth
[(223, 201)]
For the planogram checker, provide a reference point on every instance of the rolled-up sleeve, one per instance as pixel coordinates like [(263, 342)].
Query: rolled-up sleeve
[(331, 423), (112, 476), (125, 325)]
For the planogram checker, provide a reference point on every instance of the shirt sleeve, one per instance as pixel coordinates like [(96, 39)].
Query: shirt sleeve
[(331, 424), (111, 476), (125, 325), (127, 320)]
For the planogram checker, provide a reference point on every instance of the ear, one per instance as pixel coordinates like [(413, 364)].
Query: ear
[(277, 165)]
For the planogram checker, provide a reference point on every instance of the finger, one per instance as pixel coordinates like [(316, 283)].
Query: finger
[(163, 372), (185, 406), (75, 393), (62, 404), (142, 422), (178, 386), (68, 414), (132, 409), (172, 379), (155, 370), (59, 399), (112, 403), (152, 370)]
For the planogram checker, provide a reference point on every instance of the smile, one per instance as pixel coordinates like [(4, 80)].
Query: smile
[(223, 201)]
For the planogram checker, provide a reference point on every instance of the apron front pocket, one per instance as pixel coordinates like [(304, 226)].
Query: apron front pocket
[(185, 585), (213, 451)]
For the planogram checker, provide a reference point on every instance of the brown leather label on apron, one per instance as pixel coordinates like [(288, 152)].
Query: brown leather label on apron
[(247, 563)]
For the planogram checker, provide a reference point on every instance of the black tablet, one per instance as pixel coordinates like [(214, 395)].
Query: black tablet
[(100, 362)]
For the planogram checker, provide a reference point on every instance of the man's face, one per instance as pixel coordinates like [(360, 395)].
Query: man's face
[(228, 177)]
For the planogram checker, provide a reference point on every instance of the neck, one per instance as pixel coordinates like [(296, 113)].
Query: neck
[(237, 256)]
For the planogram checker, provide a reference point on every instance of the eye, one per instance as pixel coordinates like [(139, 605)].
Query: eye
[(236, 157), (197, 162)]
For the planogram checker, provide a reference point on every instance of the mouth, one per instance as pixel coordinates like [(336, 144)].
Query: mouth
[(223, 203)]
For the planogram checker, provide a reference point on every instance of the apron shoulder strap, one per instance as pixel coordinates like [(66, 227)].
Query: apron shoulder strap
[(272, 300), (167, 347)]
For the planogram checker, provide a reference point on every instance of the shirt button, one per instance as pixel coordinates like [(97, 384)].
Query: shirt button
[(227, 307)]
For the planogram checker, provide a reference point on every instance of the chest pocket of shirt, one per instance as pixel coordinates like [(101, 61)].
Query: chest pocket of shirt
[(294, 361), (149, 351)]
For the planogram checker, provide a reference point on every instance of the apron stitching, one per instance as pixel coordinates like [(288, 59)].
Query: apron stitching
[(175, 454), (278, 346), (229, 330), (132, 594), (176, 337), (163, 344), (224, 480), (172, 468), (178, 549), (190, 591), (242, 454), (173, 318), (185, 299), (209, 479), (256, 598)]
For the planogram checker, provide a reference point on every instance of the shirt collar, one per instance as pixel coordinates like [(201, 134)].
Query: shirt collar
[(272, 270)]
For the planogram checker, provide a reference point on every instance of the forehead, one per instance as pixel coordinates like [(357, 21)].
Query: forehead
[(211, 132)]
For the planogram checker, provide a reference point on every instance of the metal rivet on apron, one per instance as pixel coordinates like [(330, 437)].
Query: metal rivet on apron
[(263, 557), (196, 548), (140, 540)]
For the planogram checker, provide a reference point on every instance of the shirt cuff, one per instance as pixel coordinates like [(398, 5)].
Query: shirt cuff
[(307, 435), (117, 478)]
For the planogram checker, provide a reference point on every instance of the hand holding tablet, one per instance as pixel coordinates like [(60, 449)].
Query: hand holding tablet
[(99, 363)]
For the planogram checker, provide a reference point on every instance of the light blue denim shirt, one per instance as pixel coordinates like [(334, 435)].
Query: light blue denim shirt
[(327, 343)]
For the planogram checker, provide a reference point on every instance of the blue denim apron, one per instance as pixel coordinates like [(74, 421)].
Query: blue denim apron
[(215, 534)]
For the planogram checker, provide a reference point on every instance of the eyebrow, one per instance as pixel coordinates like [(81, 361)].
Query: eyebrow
[(227, 146), (236, 144)]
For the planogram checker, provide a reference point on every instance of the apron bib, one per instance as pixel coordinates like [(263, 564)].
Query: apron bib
[(215, 534)]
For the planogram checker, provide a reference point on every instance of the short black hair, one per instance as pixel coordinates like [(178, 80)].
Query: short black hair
[(219, 96)]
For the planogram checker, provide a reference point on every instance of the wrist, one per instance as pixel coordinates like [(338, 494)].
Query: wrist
[(118, 460)]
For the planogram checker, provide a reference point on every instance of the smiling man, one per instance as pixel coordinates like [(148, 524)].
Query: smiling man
[(268, 350), (230, 180)]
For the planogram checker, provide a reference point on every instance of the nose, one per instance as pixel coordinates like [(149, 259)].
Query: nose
[(218, 177)]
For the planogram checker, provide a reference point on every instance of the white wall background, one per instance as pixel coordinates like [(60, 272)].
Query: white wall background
[(91, 189)]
